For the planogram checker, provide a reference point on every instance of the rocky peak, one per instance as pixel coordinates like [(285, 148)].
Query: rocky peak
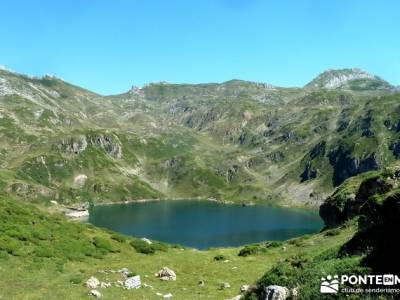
[(332, 79), (135, 90)]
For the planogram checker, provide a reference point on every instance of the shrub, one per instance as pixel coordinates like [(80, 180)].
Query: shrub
[(142, 247), (251, 250), (10, 245), (157, 246), (118, 237), (40, 234), (273, 244), (44, 252), (219, 257), (76, 279), (332, 232), (131, 274), (20, 234), (102, 244)]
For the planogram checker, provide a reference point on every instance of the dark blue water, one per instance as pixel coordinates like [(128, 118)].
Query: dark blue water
[(204, 224)]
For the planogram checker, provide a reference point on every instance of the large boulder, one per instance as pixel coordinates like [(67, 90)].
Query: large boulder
[(133, 282), (92, 283), (276, 292), (166, 274), (95, 293)]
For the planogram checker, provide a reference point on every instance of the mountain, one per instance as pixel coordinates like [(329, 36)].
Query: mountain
[(233, 141), (353, 79)]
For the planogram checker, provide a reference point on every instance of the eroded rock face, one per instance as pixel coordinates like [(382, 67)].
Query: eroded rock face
[(345, 165), (342, 206), (276, 292), (75, 145), (332, 79), (310, 170), (395, 147)]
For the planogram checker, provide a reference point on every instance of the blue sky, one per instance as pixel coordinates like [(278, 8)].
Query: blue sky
[(108, 46)]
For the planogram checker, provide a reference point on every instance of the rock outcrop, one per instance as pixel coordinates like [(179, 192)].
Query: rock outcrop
[(345, 165), (107, 142), (347, 202), (166, 274), (133, 282), (276, 292), (93, 283), (95, 293)]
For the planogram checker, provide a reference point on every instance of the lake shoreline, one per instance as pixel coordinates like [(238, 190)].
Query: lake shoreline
[(313, 209), (171, 199)]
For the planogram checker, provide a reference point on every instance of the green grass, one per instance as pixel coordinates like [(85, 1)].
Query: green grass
[(39, 252)]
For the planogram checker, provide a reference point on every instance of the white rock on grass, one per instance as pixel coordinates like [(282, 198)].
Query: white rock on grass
[(276, 292), (225, 285), (105, 285), (95, 293), (168, 296), (92, 283), (133, 282), (244, 288), (238, 297), (166, 274), (124, 271), (80, 180)]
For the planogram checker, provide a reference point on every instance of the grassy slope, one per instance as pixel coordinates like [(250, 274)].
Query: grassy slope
[(38, 267), (236, 140)]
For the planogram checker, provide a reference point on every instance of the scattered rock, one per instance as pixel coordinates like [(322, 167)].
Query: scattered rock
[(225, 285), (54, 202), (133, 282), (166, 274), (95, 293), (201, 283), (80, 180), (167, 296), (77, 214), (124, 271), (276, 292), (148, 286), (119, 283), (105, 285), (238, 297), (284, 249), (295, 293), (92, 283), (147, 241), (244, 288)]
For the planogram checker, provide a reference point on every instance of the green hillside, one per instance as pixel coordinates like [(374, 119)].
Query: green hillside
[(233, 141), (334, 142)]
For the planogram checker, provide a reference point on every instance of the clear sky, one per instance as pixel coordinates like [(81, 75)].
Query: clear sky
[(108, 46)]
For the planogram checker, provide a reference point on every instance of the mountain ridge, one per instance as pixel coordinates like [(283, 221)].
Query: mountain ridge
[(240, 141), (357, 73)]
